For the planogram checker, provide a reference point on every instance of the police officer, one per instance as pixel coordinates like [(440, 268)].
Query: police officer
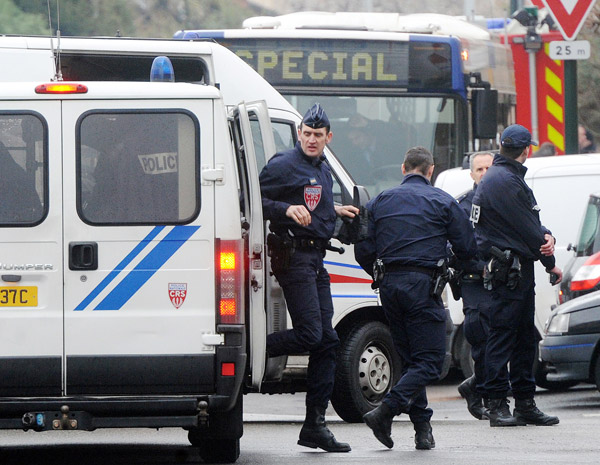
[(297, 197), (409, 227), (475, 301), (509, 234)]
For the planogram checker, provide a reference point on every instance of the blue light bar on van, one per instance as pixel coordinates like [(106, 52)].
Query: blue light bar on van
[(162, 70)]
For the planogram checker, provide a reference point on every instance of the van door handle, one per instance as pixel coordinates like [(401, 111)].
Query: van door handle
[(83, 256)]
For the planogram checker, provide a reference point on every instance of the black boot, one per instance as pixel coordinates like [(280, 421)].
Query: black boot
[(499, 414), (485, 415), (526, 410), (423, 436), (467, 391), (314, 432), (380, 421)]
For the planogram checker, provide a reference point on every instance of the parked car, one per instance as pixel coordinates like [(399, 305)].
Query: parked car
[(582, 272), (569, 349)]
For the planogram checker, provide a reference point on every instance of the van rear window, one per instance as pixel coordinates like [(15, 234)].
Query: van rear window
[(138, 167), (23, 169)]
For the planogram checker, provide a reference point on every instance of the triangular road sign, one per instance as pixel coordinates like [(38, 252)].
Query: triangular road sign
[(569, 15)]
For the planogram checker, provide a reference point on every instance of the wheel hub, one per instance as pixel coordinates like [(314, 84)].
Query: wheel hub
[(374, 373)]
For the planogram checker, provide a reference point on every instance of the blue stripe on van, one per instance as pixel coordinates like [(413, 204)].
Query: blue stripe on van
[(149, 265), (121, 266)]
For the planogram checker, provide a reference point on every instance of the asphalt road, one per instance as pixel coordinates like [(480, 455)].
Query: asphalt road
[(272, 424)]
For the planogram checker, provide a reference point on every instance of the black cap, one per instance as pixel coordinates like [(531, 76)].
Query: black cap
[(316, 117), (516, 136)]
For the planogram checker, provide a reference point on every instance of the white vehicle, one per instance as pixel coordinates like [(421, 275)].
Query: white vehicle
[(561, 185), (368, 364)]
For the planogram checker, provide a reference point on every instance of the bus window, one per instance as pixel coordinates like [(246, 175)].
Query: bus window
[(372, 139)]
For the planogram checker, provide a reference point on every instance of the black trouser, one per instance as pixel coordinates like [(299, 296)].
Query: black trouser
[(308, 296), (418, 326), (476, 306), (512, 339)]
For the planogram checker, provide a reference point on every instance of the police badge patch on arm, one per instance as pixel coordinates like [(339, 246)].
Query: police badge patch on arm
[(475, 212)]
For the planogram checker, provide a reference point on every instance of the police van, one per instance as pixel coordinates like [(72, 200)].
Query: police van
[(131, 260), (135, 281)]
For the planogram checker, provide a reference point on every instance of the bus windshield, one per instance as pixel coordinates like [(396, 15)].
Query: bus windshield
[(371, 134)]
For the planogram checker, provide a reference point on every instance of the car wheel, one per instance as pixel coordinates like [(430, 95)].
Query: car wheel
[(367, 368)]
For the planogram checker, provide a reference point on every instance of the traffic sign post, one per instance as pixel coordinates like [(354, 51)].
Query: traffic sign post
[(569, 16)]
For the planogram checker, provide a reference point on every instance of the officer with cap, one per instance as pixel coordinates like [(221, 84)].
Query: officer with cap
[(408, 231), (475, 301), (297, 196), (510, 238)]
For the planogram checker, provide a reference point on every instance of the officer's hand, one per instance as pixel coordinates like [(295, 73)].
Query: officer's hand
[(548, 248), (558, 272), (346, 210), (299, 214)]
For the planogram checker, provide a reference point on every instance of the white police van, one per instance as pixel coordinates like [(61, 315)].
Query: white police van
[(367, 364), (135, 285), (131, 289)]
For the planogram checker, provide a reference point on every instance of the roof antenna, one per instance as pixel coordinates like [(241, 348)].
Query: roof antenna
[(57, 64)]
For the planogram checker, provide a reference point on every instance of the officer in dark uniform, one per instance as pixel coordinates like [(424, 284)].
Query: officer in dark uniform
[(409, 228), (510, 236), (297, 197), (475, 301)]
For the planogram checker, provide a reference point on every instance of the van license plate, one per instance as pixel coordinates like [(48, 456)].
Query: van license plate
[(24, 296)]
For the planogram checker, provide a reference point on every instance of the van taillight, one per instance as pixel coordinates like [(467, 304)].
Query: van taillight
[(587, 276), (229, 266)]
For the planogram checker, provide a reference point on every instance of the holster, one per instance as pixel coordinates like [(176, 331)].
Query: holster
[(439, 279), (378, 273), (503, 268), (455, 283), (281, 249)]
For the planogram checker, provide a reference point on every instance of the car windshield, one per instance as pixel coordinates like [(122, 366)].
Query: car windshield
[(589, 236)]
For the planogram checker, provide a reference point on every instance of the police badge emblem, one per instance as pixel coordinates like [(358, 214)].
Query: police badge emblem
[(177, 293), (312, 196)]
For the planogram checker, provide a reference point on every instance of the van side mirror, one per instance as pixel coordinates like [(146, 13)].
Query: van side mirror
[(484, 105), (360, 196), (354, 229)]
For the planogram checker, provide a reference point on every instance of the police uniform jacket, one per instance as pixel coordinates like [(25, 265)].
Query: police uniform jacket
[(411, 225), (465, 200), (474, 266), (293, 178), (506, 214)]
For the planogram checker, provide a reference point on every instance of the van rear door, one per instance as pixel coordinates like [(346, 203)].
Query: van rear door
[(31, 291), (253, 139), (139, 247)]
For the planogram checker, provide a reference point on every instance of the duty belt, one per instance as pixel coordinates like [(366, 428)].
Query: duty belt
[(309, 243), (391, 267)]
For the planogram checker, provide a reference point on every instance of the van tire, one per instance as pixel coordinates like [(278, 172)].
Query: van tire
[(215, 450), (365, 347), (220, 441)]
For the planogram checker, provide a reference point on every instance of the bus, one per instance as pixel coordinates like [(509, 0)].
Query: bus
[(387, 81)]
